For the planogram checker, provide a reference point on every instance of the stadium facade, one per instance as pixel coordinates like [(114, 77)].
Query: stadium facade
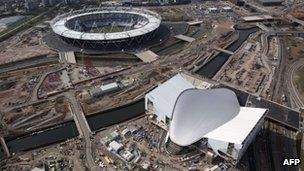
[(194, 112), (107, 28)]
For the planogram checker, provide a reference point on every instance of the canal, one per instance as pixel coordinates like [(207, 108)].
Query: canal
[(30, 62), (117, 115), (68, 130), (213, 66)]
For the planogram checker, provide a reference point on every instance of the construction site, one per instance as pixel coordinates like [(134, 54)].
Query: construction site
[(69, 108)]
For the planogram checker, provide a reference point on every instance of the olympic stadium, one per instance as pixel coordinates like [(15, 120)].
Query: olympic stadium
[(110, 29)]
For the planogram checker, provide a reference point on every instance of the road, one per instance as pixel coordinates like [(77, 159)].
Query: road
[(81, 123), (265, 61), (34, 96), (4, 146), (265, 48), (296, 100), (258, 7), (280, 70), (294, 19), (275, 12), (83, 128), (284, 33)]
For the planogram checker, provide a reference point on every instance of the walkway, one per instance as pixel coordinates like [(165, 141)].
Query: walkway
[(184, 38), (223, 50), (147, 56), (192, 23)]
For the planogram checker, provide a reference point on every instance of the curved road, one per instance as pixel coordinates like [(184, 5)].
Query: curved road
[(295, 96), (34, 96)]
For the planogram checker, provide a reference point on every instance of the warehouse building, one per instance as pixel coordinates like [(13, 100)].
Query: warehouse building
[(271, 2), (105, 89), (237, 2)]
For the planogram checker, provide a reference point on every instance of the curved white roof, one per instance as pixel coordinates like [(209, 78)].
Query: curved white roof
[(165, 95), (59, 27), (198, 112)]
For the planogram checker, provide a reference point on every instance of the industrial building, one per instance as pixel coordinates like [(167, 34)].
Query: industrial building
[(7, 21), (31, 5), (213, 10), (256, 18), (181, 107), (45, 3), (107, 88), (271, 2), (53, 2), (237, 2), (71, 1), (115, 146), (227, 9)]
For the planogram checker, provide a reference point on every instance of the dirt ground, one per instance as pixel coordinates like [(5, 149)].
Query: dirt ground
[(296, 52), (23, 45), (300, 80)]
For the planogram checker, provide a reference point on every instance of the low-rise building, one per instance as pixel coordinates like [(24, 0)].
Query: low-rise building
[(115, 146), (31, 5), (227, 9), (104, 89), (271, 2), (127, 155), (213, 10)]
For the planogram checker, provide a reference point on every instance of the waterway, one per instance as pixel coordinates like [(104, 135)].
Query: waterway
[(213, 66), (56, 134), (30, 62), (1, 153), (120, 114), (68, 130)]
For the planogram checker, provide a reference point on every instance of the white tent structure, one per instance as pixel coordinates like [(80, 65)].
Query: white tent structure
[(215, 114)]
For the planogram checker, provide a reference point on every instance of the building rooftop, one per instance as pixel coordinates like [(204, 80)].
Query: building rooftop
[(216, 113), (271, 1), (167, 94), (257, 18), (237, 129), (108, 86), (4, 22)]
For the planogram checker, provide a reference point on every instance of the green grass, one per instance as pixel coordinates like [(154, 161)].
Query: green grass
[(108, 29)]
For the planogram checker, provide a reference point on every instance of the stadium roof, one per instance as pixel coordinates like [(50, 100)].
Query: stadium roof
[(214, 114), (59, 24)]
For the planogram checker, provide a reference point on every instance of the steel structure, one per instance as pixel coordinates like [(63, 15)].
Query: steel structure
[(102, 27)]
